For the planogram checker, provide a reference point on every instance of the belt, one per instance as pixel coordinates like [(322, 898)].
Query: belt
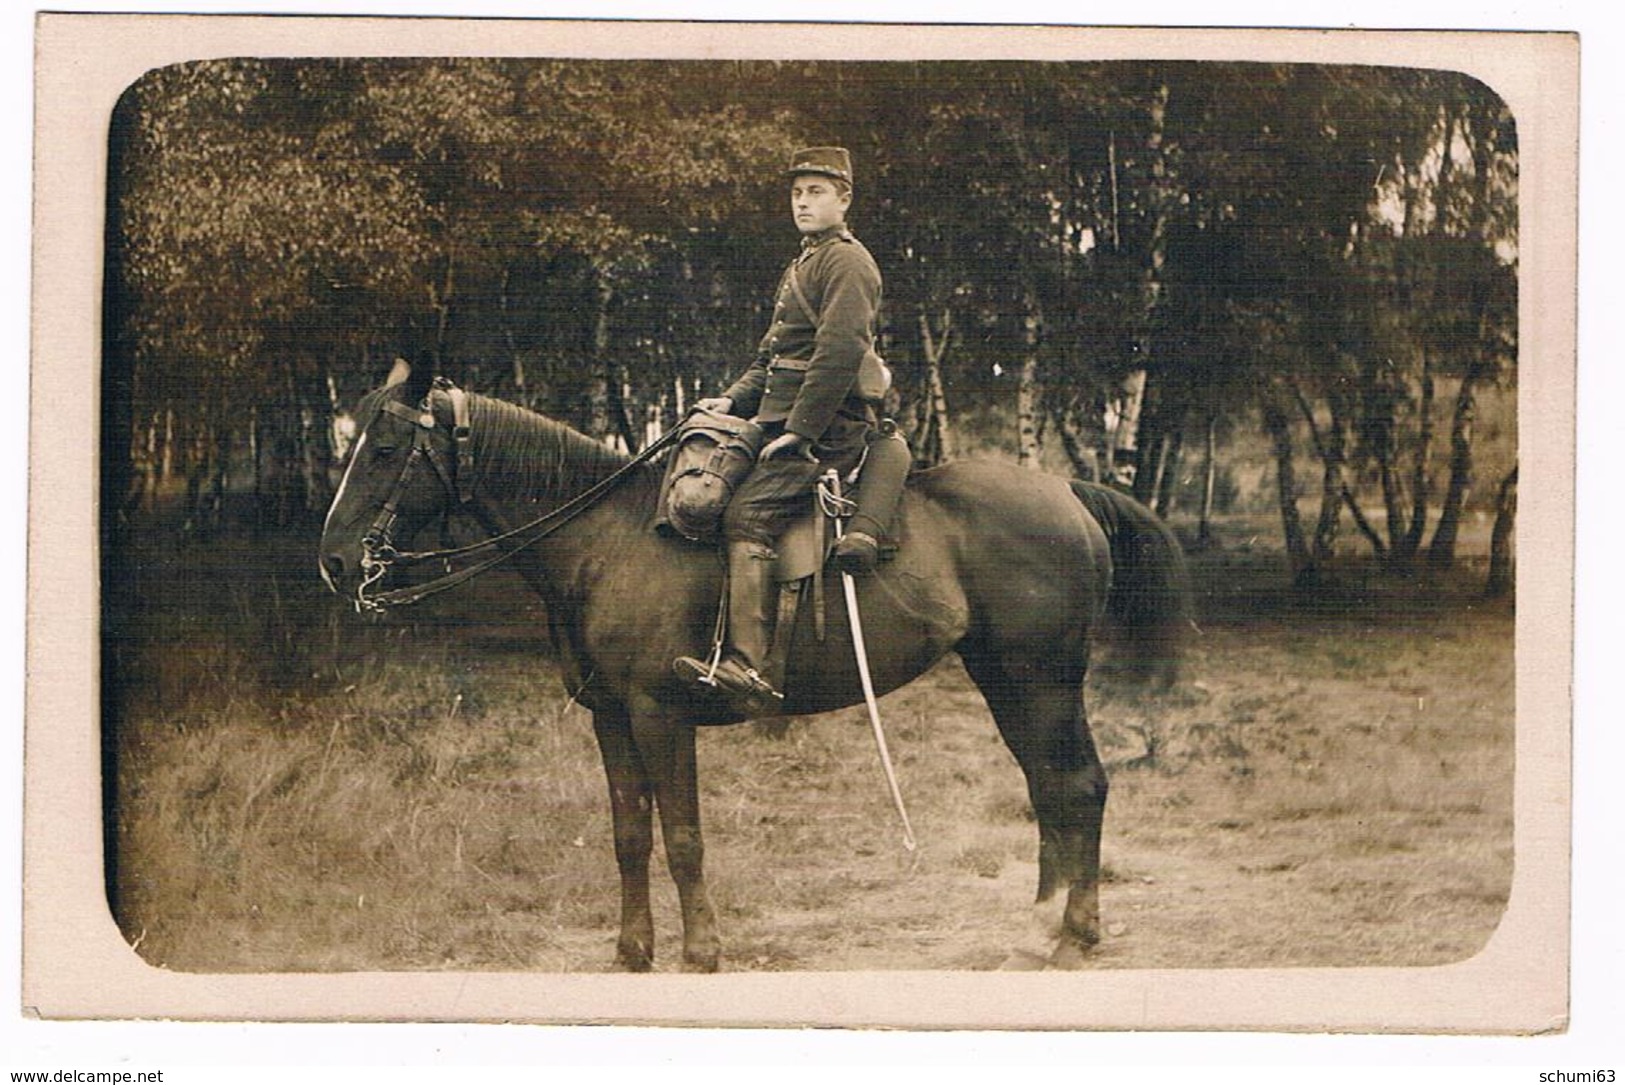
[(798, 365)]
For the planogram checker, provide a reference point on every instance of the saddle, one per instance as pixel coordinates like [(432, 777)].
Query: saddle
[(714, 454), (805, 548)]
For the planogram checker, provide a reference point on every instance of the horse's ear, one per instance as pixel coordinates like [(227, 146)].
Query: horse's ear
[(398, 373), (413, 382)]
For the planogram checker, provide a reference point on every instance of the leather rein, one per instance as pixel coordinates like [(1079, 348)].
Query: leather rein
[(378, 552)]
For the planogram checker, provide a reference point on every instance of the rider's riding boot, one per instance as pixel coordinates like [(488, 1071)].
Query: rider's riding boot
[(750, 617), (856, 552)]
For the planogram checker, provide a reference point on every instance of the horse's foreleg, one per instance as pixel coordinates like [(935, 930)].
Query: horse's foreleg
[(631, 806), (667, 748)]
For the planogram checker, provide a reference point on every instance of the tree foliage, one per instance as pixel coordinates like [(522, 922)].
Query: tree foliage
[(1124, 251)]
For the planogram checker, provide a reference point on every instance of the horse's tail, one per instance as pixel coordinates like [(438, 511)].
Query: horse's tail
[(1149, 602)]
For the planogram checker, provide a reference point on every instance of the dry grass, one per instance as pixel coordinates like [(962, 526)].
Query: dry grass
[(302, 791)]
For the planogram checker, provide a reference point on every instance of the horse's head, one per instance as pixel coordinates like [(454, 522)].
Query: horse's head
[(401, 476)]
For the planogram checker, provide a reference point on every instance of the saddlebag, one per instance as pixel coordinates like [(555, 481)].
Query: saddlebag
[(714, 453)]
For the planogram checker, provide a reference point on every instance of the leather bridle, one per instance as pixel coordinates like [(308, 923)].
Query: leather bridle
[(456, 474), (378, 551)]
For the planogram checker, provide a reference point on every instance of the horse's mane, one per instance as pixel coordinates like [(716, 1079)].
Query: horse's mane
[(530, 456)]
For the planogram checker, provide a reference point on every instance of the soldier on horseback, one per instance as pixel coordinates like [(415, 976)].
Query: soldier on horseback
[(814, 389)]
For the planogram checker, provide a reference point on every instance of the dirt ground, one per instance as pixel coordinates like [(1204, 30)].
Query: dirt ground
[(1304, 815), (1332, 785)]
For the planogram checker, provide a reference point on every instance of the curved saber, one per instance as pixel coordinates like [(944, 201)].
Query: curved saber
[(850, 587)]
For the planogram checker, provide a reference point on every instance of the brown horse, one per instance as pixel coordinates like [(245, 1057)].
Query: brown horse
[(1010, 568)]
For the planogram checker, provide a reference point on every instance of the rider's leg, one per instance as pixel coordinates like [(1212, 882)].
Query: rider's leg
[(767, 502), (774, 493), (750, 628)]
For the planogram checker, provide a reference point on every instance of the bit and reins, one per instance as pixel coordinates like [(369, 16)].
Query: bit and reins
[(378, 553)]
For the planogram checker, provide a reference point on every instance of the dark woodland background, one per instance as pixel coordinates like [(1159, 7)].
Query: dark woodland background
[(1212, 283)]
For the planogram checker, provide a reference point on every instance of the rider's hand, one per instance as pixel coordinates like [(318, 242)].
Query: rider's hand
[(716, 405), (788, 444)]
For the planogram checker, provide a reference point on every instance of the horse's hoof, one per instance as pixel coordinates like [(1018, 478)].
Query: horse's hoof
[(634, 961), (1069, 955), (706, 963), (1023, 960)]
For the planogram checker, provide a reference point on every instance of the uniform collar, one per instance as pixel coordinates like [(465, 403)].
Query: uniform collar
[(812, 241)]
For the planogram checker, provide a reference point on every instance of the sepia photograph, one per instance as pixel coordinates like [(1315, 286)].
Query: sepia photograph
[(951, 527)]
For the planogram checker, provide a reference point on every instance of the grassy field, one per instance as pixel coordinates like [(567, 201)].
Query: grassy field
[(300, 790)]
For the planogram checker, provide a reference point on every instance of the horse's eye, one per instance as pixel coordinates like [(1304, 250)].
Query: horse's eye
[(383, 451)]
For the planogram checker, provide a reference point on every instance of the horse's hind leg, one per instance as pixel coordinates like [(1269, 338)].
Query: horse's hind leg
[(1038, 706)]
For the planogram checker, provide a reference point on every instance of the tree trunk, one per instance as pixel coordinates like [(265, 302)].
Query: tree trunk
[(1173, 449), (1501, 576), (1162, 197), (936, 438), (256, 445), (1482, 366), (1151, 441), (620, 386), (281, 459), (146, 478), (1124, 433), (314, 452), (1442, 551), (222, 468), (1300, 562), (440, 295), (1111, 160), (1378, 547), (1027, 446), (598, 421), (1075, 438), (505, 308), (1421, 476), (1331, 507), (1147, 461), (199, 469), (617, 377), (1332, 449), (1210, 471), (166, 462), (1385, 447)]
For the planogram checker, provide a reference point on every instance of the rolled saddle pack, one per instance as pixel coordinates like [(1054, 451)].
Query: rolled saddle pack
[(714, 453), (881, 478)]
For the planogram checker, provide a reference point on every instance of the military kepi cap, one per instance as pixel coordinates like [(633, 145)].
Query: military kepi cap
[(829, 161)]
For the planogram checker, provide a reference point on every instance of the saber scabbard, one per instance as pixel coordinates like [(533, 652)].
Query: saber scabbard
[(860, 650)]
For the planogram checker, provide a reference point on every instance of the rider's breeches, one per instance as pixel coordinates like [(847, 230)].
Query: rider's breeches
[(778, 491)]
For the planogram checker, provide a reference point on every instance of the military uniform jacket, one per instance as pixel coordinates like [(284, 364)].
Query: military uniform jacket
[(806, 367)]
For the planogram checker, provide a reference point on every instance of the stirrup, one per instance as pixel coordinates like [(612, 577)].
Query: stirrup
[(700, 672), (729, 677)]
